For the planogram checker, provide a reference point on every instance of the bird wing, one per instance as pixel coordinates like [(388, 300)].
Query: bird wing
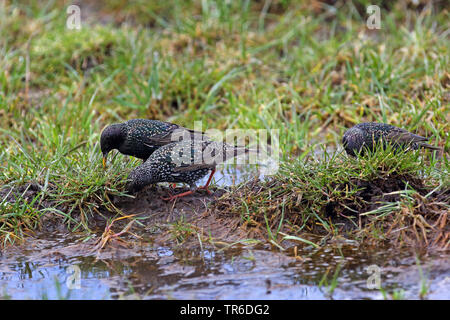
[(194, 166), (213, 153), (162, 138), (173, 134), (402, 136)]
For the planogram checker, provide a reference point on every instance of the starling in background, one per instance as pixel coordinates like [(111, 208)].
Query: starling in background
[(141, 137), (182, 162), (367, 135)]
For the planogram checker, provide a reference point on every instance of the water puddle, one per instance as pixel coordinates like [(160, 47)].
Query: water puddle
[(231, 175), (55, 268)]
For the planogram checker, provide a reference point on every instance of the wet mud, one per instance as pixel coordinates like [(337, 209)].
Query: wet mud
[(191, 210)]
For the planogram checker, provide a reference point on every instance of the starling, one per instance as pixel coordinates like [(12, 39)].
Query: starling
[(182, 162), (367, 135), (141, 137)]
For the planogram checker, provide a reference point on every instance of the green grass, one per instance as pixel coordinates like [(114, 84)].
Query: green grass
[(333, 282), (370, 196), (309, 71)]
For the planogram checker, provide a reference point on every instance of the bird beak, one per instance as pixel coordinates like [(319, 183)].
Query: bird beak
[(104, 161)]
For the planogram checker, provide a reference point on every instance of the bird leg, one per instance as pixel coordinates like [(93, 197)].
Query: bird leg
[(205, 187), (173, 197)]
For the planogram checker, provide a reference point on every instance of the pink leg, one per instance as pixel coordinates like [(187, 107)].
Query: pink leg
[(205, 187), (178, 195)]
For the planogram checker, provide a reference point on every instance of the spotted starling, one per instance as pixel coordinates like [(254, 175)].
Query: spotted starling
[(366, 136), (182, 162), (141, 137)]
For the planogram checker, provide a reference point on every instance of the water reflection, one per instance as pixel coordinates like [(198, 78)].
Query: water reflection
[(236, 273)]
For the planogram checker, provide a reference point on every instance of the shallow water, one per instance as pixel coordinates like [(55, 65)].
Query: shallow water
[(44, 270), (231, 175)]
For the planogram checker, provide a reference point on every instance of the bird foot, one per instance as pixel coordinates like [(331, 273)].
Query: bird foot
[(167, 198), (173, 197), (209, 192)]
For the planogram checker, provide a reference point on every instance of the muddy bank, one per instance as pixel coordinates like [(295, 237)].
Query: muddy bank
[(177, 220), (262, 210), (418, 218), (154, 218)]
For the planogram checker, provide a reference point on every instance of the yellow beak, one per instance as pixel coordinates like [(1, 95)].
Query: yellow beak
[(104, 162)]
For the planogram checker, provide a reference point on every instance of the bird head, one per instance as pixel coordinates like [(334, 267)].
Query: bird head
[(112, 137), (353, 141)]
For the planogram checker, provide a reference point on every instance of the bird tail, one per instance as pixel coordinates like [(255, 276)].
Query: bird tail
[(197, 135), (244, 154), (429, 146), (234, 151)]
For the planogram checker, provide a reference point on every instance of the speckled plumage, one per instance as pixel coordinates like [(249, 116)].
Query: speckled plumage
[(366, 136), (141, 137), (181, 162)]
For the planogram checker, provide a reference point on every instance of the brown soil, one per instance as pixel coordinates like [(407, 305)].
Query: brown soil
[(191, 209)]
